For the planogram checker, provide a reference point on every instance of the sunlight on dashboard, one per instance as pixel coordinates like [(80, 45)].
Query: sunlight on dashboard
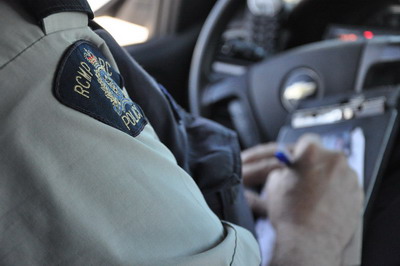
[(97, 4), (124, 32), (292, 1)]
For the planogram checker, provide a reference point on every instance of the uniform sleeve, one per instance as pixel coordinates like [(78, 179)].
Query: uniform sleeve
[(78, 190)]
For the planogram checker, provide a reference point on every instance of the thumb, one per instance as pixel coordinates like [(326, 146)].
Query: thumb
[(256, 203)]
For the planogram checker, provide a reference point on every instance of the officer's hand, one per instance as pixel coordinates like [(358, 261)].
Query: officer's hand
[(258, 162), (314, 206)]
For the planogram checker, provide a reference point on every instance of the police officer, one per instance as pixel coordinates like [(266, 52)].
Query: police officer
[(85, 179)]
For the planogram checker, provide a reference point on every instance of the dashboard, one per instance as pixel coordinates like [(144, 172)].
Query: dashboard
[(262, 28)]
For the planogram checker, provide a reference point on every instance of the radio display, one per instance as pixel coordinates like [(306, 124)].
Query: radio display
[(355, 33)]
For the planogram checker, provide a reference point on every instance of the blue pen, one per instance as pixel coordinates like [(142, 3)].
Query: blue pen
[(284, 156)]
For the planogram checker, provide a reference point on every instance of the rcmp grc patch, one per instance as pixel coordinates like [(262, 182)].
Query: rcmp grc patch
[(86, 82)]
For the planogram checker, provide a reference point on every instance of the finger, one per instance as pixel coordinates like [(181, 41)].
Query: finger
[(308, 152), (307, 149), (306, 141), (276, 180), (256, 203), (259, 152), (257, 172)]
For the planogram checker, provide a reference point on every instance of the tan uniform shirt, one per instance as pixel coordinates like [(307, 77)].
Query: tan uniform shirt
[(76, 191)]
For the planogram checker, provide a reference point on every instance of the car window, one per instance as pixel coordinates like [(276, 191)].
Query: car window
[(136, 21)]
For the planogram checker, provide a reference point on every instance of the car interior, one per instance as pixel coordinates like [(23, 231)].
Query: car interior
[(249, 64)]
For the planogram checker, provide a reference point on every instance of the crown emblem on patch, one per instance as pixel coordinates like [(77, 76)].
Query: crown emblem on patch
[(91, 58)]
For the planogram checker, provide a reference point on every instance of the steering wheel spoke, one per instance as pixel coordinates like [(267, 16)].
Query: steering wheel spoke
[(232, 95)]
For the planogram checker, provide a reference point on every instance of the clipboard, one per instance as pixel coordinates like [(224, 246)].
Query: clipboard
[(375, 112)]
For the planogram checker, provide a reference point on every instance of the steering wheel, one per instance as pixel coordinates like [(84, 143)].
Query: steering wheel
[(259, 100)]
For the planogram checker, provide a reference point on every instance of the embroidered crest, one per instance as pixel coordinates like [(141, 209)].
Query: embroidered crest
[(86, 82)]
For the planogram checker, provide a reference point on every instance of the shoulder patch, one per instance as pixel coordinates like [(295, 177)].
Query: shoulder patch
[(86, 82)]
